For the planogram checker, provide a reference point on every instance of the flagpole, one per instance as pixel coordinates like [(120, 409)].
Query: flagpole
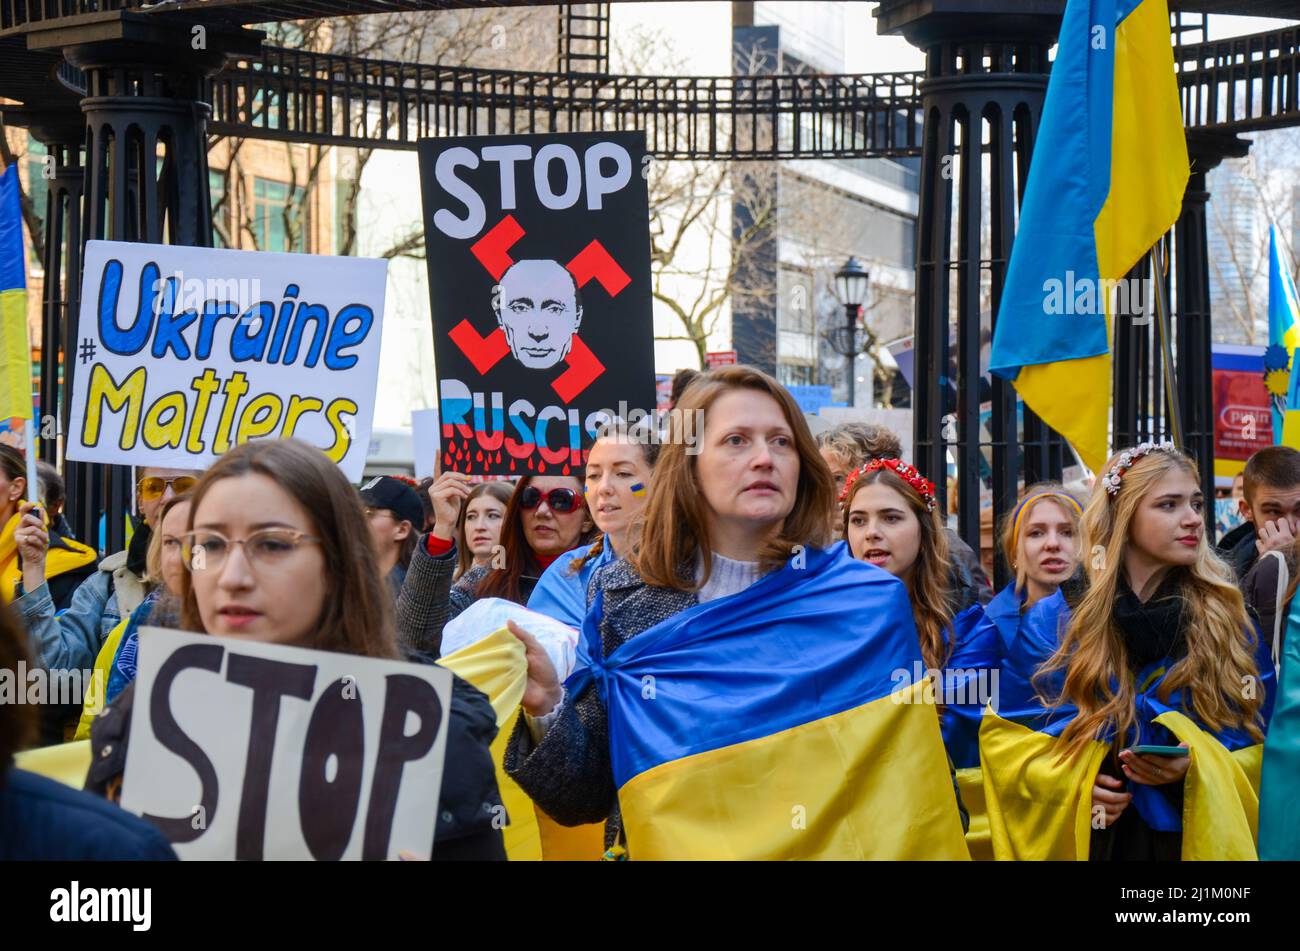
[(1162, 331)]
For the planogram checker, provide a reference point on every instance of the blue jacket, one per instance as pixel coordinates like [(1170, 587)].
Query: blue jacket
[(561, 593), (44, 819)]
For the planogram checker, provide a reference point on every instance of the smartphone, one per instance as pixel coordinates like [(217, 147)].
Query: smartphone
[(1172, 752)]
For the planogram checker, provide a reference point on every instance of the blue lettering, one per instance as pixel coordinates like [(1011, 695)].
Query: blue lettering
[(340, 337), (171, 328), (305, 312), (242, 345), (212, 312), (114, 338)]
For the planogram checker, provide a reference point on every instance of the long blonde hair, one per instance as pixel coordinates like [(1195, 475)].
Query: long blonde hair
[(1219, 660), (1012, 533)]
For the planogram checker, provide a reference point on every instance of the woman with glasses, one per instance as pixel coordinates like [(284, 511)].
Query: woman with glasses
[(74, 639), (279, 552), (545, 518), (617, 476)]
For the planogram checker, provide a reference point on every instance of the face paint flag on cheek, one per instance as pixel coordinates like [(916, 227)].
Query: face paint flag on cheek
[(539, 283), (638, 490)]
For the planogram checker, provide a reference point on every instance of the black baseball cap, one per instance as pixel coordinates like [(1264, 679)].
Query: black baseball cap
[(387, 492)]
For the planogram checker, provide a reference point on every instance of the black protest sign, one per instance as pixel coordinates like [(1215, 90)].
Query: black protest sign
[(539, 278), (243, 750)]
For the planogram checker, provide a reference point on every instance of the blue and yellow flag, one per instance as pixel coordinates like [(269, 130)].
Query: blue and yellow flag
[(969, 683), (1107, 179), (15, 349), (782, 722), (1284, 335), (1040, 807)]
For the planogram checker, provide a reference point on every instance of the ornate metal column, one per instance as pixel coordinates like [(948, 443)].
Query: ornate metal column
[(145, 178), (986, 79)]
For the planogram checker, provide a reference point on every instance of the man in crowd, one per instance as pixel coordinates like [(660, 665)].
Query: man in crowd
[(1271, 506), (396, 520), (73, 639)]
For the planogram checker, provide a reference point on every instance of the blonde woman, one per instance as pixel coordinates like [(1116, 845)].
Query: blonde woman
[(1159, 654)]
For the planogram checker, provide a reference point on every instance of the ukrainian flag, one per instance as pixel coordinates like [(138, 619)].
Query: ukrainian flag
[(1107, 179), (970, 681), (1040, 807), (782, 722), (1284, 332), (496, 665), (15, 350)]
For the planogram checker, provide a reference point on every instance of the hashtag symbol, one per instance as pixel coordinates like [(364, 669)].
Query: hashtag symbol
[(87, 350)]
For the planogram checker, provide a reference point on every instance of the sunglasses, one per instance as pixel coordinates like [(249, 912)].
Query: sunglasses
[(560, 500), (154, 487)]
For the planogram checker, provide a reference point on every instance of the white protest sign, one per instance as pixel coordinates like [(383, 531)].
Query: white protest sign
[(183, 352), (243, 750), (426, 439)]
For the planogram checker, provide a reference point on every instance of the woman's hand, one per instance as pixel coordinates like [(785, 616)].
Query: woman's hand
[(543, 692), (1106, 795), (1154, 770), (448, 494), (33, 542)]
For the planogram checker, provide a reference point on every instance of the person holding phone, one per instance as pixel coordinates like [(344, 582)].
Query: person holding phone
[(1152, 691), (545, 518)]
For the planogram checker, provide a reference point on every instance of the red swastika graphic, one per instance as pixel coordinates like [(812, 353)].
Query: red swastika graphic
[(594, 261), (492, 250), (483, 352), (583, 368)]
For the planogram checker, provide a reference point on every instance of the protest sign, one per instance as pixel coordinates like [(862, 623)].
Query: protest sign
[(184, 352), (247, 750), (424, 437), (539, 279)]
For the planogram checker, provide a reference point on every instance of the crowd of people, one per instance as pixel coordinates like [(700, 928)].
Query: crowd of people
[(1126, 641)]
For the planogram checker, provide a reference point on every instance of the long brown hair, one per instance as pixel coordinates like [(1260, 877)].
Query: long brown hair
[(501, 491), (673, 527), (17, 720), (519, 557), (357, 617), (1220, 659), (929, 592)]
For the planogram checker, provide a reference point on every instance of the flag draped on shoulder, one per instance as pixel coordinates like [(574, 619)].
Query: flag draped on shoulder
[(782, 722), (496, 665), (1106, 180), (15, 350), (1040, 806)]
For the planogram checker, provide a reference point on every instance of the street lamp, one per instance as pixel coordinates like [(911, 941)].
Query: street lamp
[(851, 281)]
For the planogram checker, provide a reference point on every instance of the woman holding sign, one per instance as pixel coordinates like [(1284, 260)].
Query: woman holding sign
[(737, 669), (280, 552), (545, 518)]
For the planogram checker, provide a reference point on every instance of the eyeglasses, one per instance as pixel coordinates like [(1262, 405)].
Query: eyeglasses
[(152, 488), (560, 500), (270, 548)]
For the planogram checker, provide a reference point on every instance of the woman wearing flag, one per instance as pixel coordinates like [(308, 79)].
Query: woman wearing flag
[(546, 517), (744, 685), (890, 520), (279, 551), (617, 473), (1133, 731)]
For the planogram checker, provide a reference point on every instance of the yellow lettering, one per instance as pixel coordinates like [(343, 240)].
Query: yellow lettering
[(342, 436), (297, 406), (170, 433), (205, 386), (104, 389), (235, 388), (251, 426)]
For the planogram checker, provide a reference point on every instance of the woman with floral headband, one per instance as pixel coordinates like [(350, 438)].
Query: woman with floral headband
[(891, 521), (1138, 733)]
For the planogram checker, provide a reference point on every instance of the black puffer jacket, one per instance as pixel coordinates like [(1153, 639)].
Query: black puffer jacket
[(1239, 550)]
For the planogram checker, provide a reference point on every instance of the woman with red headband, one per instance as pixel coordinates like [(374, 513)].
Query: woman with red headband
[(892, 522)]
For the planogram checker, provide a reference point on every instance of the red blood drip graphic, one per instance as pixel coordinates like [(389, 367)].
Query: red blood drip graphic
[(479, 457), (446, 458), (541, 467), (512, 465), (565, 470), (530, 462)]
